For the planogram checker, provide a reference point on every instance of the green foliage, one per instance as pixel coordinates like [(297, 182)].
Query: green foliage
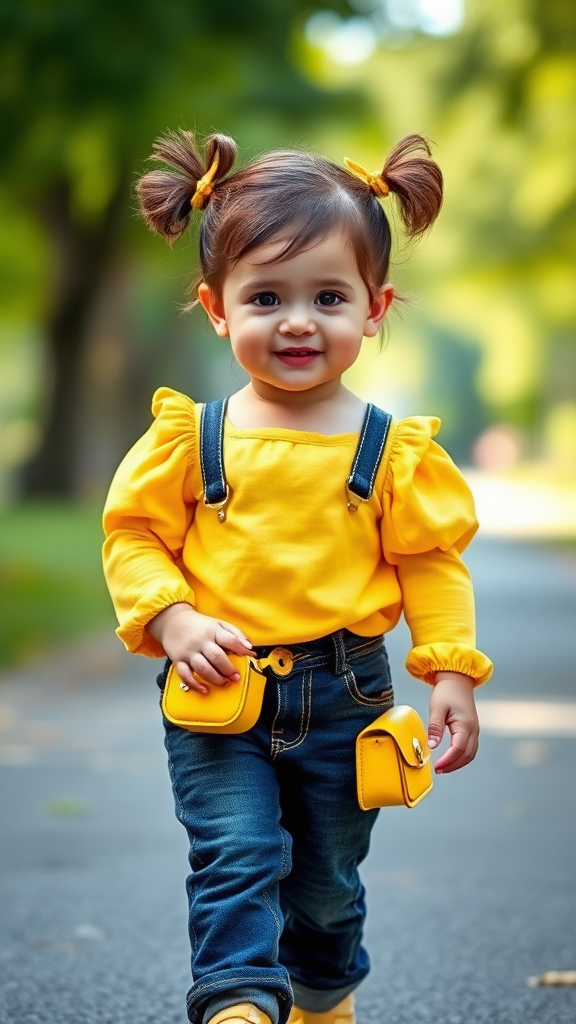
[(86, 84), (51, 583), (498, 99)]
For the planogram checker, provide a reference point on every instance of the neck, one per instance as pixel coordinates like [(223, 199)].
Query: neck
[(328, 409), (271, 395)]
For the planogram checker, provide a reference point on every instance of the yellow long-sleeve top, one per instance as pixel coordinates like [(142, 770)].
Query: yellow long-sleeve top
[(291, 562)]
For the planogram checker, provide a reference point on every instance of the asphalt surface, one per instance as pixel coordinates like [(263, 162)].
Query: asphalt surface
[(469, 894)]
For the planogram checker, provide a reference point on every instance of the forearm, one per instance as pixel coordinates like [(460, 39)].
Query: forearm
[(437, 597), (438, 606), (143, 579)]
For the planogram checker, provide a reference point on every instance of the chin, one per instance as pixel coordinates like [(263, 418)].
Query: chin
[(303, 385)]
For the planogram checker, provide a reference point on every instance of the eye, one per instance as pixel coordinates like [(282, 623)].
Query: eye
[(266, 299), (328, 298)]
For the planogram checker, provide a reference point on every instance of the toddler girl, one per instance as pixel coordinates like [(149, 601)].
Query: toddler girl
[(296, 523)]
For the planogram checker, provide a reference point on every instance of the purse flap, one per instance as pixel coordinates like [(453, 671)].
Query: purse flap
[(407, 729)]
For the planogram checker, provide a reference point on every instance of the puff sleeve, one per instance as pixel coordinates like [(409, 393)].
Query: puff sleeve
[(147, 514), (428, 519)]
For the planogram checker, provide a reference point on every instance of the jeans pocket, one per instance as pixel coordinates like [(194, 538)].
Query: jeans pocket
[(369, 681)]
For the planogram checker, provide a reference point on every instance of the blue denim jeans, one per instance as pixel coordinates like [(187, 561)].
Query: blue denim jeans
[(276, 835)]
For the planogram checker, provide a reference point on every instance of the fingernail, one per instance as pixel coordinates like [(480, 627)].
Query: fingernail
[(235, 677), (432, 743), (246, 642)]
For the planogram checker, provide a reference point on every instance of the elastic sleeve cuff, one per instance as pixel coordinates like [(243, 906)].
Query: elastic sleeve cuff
[(423, 662), (134, 634)]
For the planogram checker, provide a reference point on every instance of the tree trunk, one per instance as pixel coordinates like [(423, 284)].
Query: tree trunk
[(80, 255)]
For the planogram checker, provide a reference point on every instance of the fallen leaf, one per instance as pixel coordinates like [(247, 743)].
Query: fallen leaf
[(553, 978)]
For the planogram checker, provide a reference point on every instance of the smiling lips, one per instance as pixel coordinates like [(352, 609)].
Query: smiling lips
[(297, 356)]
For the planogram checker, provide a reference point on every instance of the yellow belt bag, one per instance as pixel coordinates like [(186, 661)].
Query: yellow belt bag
[(232, 708), (393, 760)]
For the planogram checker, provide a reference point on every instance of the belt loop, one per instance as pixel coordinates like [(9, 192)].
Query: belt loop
[(340, 657)]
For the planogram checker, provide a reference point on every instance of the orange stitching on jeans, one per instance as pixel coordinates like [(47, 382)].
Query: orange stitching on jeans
[(306, 713)]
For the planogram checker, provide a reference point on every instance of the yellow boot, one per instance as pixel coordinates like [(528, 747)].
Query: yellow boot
[(343, 1013), (241, 1013)]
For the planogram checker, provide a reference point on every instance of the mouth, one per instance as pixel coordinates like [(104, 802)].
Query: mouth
[(297, 356)]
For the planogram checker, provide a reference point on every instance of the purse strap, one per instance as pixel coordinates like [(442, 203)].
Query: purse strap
[(359, 485)]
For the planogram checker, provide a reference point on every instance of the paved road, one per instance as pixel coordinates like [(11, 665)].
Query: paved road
[(469, 894)]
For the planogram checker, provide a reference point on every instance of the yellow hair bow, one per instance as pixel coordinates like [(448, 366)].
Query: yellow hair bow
[(205, 186), (374, 181)]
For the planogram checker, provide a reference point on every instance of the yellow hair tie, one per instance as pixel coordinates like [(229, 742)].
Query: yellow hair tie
[(374, 181), (205, 186)]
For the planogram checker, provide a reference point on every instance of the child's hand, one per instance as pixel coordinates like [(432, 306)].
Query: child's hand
[(197, 642), (452, 704)]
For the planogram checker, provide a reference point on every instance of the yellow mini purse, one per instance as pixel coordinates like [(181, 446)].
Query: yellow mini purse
[(232, 708), (393, 760)]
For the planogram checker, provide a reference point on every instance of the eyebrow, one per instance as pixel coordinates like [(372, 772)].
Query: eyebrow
[(272, 282)]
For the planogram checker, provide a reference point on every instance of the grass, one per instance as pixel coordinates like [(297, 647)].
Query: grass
[(51, 584)]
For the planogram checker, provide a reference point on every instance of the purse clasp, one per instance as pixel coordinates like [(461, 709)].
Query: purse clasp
[(417, 748)]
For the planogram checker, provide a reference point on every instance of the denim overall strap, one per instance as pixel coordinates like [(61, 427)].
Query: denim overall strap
[(360, 483), (211, 456)]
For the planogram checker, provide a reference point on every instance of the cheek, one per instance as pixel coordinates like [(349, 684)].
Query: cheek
[(247, 345), (348, 330), (350, 341)]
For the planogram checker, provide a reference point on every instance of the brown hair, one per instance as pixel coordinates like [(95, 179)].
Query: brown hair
[(287, 194)]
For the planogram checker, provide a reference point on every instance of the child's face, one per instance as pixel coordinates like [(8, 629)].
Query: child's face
[(296, 323)]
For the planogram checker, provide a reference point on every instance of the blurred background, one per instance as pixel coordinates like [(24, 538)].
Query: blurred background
[(90, 322)]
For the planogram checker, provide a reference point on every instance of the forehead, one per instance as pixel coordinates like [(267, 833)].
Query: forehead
[(332, 254)]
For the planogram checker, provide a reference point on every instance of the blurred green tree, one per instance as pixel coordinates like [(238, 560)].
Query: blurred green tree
[(85, 85), (498, 97), (515, 68)]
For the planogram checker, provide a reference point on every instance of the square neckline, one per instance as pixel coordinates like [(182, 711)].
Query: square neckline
[(290, 433)]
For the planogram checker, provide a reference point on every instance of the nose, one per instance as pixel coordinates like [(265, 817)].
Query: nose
[(297, 322)]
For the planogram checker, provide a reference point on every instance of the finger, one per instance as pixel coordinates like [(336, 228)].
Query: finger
[(456, 750), (461, 762), (220, 662), (457, 756), (208, 673), (230, 641), (235, 632), (436, 727), (469, 753), (186, 675)]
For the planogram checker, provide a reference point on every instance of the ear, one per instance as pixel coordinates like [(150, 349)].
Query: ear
[(377, 311), (214, 307)]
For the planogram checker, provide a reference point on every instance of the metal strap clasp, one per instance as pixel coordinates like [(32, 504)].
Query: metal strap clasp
[(354, 500), (219, 506)]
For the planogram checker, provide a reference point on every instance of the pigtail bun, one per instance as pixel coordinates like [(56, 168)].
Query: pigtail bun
[(165, 195), (417, 182)]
